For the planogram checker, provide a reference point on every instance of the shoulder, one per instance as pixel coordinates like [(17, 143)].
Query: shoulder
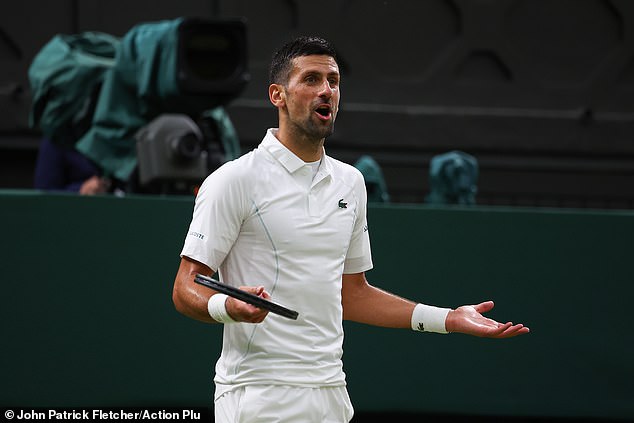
[(232, 180), (235, 171)]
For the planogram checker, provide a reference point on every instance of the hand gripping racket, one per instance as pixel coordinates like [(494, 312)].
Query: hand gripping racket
[(247, 297)]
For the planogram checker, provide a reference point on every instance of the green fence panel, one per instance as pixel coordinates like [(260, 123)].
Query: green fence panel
[(87, 318)]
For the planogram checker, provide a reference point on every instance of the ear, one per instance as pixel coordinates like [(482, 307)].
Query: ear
[(277, 95)]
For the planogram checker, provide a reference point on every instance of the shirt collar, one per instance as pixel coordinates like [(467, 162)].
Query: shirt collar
[(286, 157)]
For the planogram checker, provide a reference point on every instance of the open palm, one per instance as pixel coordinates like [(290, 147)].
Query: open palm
[(469, 320)]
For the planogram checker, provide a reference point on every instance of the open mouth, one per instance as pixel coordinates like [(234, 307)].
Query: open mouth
[(324, 111)]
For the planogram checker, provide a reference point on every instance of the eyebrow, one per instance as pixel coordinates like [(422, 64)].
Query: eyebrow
[(307, 72)]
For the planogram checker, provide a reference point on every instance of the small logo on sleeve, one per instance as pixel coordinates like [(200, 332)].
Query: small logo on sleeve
[(343, 205), (196, 235)]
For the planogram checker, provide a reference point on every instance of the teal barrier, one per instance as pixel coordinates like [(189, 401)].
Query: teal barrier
[(87, 318)]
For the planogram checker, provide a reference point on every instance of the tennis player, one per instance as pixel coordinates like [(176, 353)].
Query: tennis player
[(286, 221)]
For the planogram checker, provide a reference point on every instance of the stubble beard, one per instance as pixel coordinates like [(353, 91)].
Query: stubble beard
[(315, 132)]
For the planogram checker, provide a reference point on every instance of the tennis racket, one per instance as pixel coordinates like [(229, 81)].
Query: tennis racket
[(247, 297)]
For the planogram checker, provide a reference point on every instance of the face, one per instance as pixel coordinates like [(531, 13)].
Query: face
[(311, 96)]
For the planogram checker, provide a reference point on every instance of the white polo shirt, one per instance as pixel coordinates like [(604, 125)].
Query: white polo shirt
[(262, 219)]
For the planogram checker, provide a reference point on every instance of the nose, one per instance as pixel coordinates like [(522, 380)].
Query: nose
[(325, 90)]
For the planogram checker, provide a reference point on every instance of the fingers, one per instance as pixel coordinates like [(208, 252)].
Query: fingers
[(256, 290), (244, 312), (503, 330), (509, 330), (515, 330)]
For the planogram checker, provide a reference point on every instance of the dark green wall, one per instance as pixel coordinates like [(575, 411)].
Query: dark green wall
[(87, 318)]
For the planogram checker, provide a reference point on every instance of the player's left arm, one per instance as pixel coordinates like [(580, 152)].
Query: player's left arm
[(368, 304)]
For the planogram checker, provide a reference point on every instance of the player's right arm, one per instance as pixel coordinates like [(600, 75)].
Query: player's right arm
[(191, 298)]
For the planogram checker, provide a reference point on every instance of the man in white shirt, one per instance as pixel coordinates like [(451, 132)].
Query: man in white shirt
[(285, 221)]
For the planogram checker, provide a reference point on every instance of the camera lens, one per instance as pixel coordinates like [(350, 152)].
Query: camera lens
[(186, 148)]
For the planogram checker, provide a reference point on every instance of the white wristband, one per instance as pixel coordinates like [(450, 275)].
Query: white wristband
[(429, 318), (216, 306)]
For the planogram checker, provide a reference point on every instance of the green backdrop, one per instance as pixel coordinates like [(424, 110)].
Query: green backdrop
[(87, 318)]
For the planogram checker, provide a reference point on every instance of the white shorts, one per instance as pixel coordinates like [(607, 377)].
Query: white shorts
[(287, 404)]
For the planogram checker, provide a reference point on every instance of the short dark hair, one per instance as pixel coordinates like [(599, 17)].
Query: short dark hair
[(301, 46)]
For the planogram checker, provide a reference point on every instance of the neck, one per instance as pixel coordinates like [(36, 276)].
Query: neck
[(306, 148)]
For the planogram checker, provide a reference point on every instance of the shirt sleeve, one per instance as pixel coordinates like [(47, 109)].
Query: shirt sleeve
[(217, 217), (49, 167), (359, 257)]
